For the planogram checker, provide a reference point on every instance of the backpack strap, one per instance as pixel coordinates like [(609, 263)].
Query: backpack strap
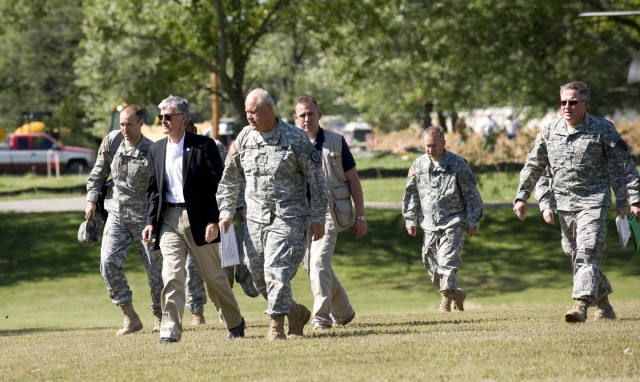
[(115, 144)]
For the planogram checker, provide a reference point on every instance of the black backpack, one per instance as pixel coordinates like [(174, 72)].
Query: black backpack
[(106, 185)]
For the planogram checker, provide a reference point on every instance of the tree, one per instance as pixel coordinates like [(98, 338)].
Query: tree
[(38, 41)]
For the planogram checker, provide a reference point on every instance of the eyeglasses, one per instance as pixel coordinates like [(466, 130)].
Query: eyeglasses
[(573, 102), (167, 116)]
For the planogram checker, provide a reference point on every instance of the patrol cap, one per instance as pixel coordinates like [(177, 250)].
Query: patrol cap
[(89, 232)]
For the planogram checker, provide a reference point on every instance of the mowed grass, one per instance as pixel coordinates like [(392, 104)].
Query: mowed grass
[(57, 322)]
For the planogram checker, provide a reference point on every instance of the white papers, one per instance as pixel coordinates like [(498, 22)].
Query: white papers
[(623, 230), (228, 247)]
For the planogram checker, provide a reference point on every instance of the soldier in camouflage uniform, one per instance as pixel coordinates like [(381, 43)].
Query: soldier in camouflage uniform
[(275, 161), (196, 294), (442, 196), (126, 204), (584, 156)]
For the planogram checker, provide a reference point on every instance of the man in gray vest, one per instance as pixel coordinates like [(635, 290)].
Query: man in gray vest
[(331, 303)]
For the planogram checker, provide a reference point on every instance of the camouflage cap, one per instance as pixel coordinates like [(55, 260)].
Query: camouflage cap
[(89, 231)]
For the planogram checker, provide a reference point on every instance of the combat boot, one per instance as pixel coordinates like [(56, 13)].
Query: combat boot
[(276, 328), (446, 296), (299, 315), (578, 313), (604, 310), (131, 322), (158, 322), (457, 303), (197, 319)]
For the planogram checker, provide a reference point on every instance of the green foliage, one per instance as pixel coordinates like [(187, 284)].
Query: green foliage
[(38, 40)]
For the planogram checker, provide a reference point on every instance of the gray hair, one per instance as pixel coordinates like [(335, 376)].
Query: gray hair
[(178, 103), (434, 130), (581, 87), (263, 97)]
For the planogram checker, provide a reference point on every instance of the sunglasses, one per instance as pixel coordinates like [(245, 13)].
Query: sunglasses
[(167, 117), (573, 102)]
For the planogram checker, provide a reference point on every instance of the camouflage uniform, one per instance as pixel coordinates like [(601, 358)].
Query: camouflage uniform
[(443, 199), (275, 170), (126, 203), (196, 294), (582, 167)]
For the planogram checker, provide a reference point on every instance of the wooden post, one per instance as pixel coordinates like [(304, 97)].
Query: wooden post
[(215, 112)]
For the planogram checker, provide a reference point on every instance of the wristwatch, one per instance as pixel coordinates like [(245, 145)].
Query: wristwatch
[(363, 218)]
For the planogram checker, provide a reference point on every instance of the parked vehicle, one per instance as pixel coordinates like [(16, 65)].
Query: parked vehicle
[(34, 151)]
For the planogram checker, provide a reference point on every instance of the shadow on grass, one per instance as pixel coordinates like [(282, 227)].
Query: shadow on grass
[(52, 329), (45, 246), (506, 256)]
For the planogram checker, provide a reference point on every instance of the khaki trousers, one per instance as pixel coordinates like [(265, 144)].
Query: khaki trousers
[(176, 241), (330, 300)]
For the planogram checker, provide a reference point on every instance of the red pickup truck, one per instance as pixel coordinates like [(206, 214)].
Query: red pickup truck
[(33, 151)]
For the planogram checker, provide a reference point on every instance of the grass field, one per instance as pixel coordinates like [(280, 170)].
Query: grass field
[(57, 323)]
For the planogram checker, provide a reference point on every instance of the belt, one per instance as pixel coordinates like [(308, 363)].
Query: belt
[(176, 205)]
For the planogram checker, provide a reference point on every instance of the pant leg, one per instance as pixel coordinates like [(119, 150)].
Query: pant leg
[(330, 300), (207, 259), (152, 262), (449, 256), (254, 252), (174, 252), (583, 241), (196, 294), (113, 255), (284, 250), (442, 256)]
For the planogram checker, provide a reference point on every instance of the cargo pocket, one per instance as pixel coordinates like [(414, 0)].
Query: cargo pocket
[(343, 208)]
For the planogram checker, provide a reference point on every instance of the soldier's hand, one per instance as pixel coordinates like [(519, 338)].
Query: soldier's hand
[(317, 231), (549, 216), (211, 232), (471, 231), (225, 222), (411, 230), (520, 209), (147, 234), (90, 210)]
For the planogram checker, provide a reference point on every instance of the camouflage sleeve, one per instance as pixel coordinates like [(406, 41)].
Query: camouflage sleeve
[(544, 192), (411, 202), (241, 204), (221, 150), (619, 186), (312, 168), (537, 161), (473, 200), (100, 172), (228, 188), (623, 172)]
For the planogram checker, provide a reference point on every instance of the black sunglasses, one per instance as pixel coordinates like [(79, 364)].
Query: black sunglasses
[(573, 102), (167, 116)]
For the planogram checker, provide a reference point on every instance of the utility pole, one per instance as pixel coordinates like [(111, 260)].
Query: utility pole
[(215, 112)]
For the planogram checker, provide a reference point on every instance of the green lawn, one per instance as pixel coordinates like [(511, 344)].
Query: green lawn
[(58, 323)]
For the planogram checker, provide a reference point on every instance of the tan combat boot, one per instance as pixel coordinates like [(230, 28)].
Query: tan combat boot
[(299, 315), (131, 322), (457, 303), (578, 313), (446, 296), (158, 322), (276, 328), (604, 310), (197, 319)]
